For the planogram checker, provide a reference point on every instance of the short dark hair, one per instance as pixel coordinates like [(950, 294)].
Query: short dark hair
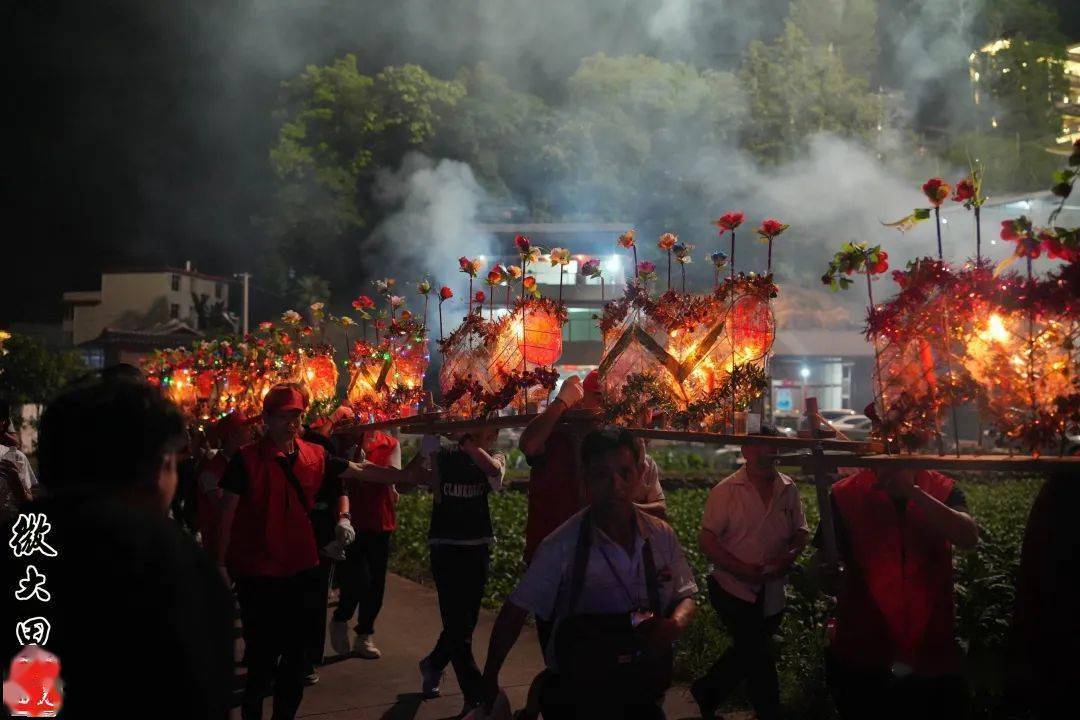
[(767, 431), (122, 371), (107, 433), (605, 440)]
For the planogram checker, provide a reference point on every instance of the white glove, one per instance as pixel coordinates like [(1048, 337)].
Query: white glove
[(334, 550), (571, 391), (344, 533)]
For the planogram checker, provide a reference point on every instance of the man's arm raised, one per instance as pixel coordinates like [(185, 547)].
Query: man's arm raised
[(535, 436)]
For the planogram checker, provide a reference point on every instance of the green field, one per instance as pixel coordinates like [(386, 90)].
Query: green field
[(983, 581)]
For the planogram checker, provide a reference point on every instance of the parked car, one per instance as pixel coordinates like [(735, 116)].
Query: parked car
[(831, 415), (856, 427)]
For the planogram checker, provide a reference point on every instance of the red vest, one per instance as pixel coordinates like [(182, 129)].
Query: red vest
[(272, 533), (897, 601), (208, 513), (371, 505)]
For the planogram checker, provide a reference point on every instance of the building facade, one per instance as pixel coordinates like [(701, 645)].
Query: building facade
[(136, 299)]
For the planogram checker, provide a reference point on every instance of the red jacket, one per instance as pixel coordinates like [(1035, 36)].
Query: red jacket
[(272, 533), (897, 601), (208, 512), (372, 504)]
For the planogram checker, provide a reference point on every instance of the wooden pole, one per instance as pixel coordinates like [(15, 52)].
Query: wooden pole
[(821, 487)]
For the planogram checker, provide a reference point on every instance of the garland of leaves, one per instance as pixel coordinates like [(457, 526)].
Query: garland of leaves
[(485, 401)]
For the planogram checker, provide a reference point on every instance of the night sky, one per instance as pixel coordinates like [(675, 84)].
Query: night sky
[(140, 139)]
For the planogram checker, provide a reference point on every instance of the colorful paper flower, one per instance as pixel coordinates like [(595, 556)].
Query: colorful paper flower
[(719, 259), (445, 293), (591, 268), (626, 240), (363, 303), (496, 276), (523, 243), (667, 241), (290, 317), (265, 325), (560, 256), (396, 301), (682, 252), (514, 272), (479, 296), (936, 190), (383, 286), (470, 266), (771, 228), (646, 270), (424, 287), (729, 221)]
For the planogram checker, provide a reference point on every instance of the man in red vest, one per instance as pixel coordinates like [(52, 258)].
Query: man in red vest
[(892, 649), (269, 546)]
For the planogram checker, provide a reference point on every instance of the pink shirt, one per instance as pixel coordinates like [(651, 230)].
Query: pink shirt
[(752, 532)]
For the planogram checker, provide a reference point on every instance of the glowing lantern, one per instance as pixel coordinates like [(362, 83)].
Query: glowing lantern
[(320, 376), (204, 384), (539, 336)]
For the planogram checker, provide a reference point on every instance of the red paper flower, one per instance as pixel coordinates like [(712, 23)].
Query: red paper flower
[(965, 190), (445, 293), (771, 228), (936, 190), (523, 242), (529, 283), (480, 296), (881, 265), (363, 303), (626, 240), (729, 221)]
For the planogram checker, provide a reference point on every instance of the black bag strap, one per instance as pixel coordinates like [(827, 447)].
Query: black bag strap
[(581, 561), (650, 578), (294, 482)]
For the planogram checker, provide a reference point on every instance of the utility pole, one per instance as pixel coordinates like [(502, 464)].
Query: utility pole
[(245, 311)]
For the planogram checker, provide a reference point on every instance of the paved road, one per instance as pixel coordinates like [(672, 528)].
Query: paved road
[(388, 688)]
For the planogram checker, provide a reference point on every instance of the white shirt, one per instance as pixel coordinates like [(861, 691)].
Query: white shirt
[(26, 473), (755, 534), (620, 587), (651, 490)]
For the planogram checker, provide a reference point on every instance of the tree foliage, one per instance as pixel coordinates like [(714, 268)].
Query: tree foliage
[(32, 373), (794, 89)]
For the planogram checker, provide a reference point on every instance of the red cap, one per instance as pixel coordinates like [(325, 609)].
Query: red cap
[(592, 382), (231, 423), (283, 398)]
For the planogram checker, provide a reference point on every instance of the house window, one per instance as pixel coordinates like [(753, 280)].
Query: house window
[(175, 283), (219, 290), (174, 311)]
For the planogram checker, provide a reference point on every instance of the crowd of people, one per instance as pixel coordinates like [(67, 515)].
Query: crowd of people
[(160, 539)]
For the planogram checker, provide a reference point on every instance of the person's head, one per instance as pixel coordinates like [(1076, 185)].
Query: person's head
[(761, 459), (593, 399), (609, 459), (233, 432), (887, 478), (283, 409), (123, 372), (112, 436)]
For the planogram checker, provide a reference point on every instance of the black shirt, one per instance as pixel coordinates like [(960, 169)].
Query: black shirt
[(460, 514), (140, 619)]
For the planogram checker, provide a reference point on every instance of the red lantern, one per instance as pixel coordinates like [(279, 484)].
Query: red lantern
[(540, 340), (320, 377), (204, 384), (753, 328)]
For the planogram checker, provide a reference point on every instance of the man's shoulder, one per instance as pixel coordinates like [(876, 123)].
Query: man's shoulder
[(725, 484), (656, 527), (565, 537)]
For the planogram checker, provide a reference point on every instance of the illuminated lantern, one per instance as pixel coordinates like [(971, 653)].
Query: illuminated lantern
[(234, 384), (204, 384), (540, 336), (320, 375)]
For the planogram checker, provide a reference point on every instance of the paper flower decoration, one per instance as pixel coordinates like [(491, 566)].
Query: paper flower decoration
[(383, 286), (626, 240), (480, 296), (396, 301), (667, 241), (424, 287), (514, 272), (523, 243), (363, 303), (646, 270), (936, 190), (591, 268), (729, 221), (560, 256), (682, 252), (496, 276), (771, 228), (445, 293), (290, 317), (470, 266), (719, 259), (529, 284)]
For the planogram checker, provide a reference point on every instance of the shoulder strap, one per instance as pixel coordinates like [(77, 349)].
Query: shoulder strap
[(581, 561), (650, 578), (294, 482)]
